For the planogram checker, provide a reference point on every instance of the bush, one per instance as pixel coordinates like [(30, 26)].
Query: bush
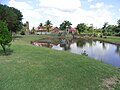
[(109, 34), (5, 36), (22, 32), (101, 35), (117, 34)]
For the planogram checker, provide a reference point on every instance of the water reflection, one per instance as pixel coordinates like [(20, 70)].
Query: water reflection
[(84, 53), (99, 50), (104, 45), (65, 43), (81, 43), (118, 50)]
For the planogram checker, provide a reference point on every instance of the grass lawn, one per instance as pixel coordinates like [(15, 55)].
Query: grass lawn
[(112, 39), (30, 67)]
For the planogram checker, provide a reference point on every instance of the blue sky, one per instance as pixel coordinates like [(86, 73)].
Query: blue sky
[(94, 12)]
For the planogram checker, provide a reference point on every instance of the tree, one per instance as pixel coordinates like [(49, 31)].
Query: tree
[(90, 28), (118, 23), (81, 27), (48, 25), (5, 36), (111, 29), (105, 25), (32, 30), (117, 29), (62, 26), (12, 17), (65, 25), (41, 25), (104, 31)]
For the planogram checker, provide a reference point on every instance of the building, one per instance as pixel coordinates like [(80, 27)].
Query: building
[(26, 28), (71, 30), (42, 30)]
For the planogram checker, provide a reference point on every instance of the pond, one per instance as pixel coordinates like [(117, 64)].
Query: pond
[(103, 51)]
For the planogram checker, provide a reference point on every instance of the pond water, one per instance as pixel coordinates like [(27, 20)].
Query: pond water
[(103, 51)]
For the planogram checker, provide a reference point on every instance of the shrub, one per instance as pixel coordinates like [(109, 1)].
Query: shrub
[(22, 32), (117, 34), (5, 36)]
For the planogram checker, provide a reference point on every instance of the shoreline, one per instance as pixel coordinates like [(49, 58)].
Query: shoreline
[(100, 39)]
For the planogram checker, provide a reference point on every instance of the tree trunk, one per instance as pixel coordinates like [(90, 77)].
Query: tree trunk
[(3, 48)]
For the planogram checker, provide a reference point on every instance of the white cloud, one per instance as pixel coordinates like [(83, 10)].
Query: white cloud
[(61, 4), (91, 0), (19, 5), (29, 13), (96, 17), (100, 5), (97, 5), (57, 11), (119, 10)]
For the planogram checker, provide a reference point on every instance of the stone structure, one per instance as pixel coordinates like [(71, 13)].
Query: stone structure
[(26, 26)]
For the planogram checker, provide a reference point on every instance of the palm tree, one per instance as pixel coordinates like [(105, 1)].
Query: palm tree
[(104, 31), (65, 25), (41, 25), (48, 25)]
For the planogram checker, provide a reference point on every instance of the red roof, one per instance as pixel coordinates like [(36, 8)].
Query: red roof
[(42, 28), (39, 28), (54, 27), (72, 29)]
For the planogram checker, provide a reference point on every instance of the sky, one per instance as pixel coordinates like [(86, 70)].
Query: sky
[(95, 12)]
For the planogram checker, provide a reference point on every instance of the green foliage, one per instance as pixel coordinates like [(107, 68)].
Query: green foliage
[(48, 25), (104, 31), (65, 25), (117, 29), (12, 17), (32, 31), (62, 26), (105, 25), (118, 23), (22, 32), (41, 24), (117, 34), (5, 36), (81, 27), (90, 29), (109, 30)]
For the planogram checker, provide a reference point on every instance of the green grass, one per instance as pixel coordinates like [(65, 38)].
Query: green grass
[(36, 68), (112, 39)]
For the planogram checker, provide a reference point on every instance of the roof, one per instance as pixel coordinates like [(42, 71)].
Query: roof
[(42, 28), (55, 28), (72, 29), (39, 28)]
